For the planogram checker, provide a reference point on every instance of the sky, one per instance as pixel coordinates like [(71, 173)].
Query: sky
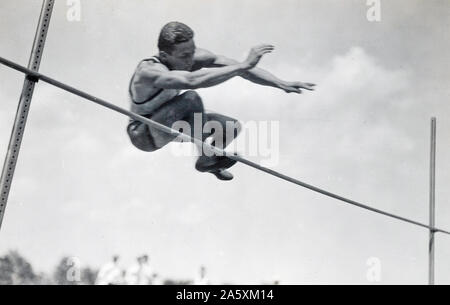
[(81, 189)]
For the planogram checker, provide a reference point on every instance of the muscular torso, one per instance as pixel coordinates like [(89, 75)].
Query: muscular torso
[(144, 97)]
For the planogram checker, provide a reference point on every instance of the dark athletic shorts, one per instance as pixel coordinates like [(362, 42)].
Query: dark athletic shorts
[(140, 135)]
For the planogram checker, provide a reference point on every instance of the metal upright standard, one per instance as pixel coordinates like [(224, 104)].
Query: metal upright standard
[(24, 106), (432, 202)]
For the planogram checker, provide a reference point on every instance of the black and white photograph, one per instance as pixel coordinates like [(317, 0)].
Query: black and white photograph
[(213, 143)]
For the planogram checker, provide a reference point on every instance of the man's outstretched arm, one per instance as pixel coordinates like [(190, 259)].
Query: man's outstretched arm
[(203, 78), (205, 58)]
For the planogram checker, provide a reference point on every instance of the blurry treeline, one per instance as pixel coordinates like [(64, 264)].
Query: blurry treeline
[(16, 270)]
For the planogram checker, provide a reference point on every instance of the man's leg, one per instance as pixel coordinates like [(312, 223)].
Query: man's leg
[(181, 108), (230, 128), (224, 130), (140, 136), (188, 107)]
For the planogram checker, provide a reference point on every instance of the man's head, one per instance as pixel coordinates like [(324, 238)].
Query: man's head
[(115, 258), (176, 46)]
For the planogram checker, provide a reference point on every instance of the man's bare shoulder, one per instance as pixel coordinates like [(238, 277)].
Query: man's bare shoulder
[(150, 69)]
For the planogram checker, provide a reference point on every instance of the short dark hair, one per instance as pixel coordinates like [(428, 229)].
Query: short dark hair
[(174, 33)]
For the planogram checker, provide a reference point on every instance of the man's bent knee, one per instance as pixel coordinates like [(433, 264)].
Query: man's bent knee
[(191, 95), (194, 100), (141, 139)]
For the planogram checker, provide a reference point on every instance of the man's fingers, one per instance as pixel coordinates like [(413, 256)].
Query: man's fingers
[(294, 90), (260, 54), (263, 51), (307, 86), (264, 47), (267, 50)]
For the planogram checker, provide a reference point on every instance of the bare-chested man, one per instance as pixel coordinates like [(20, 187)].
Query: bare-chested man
[(155, 92)]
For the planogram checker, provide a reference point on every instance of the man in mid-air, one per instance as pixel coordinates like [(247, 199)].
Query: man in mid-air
[(156, 84)]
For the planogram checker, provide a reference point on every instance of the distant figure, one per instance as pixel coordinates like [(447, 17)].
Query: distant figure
[(156, 280), (202, 279), (110, 273), (140, 273)]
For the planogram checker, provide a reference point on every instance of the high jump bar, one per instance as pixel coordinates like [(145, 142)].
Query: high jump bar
[(35, 76)]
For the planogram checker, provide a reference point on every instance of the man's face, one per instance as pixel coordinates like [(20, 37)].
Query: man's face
[(182, 56)]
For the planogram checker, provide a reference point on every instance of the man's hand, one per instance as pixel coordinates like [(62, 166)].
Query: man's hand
[(296, 87), (255, 55)]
